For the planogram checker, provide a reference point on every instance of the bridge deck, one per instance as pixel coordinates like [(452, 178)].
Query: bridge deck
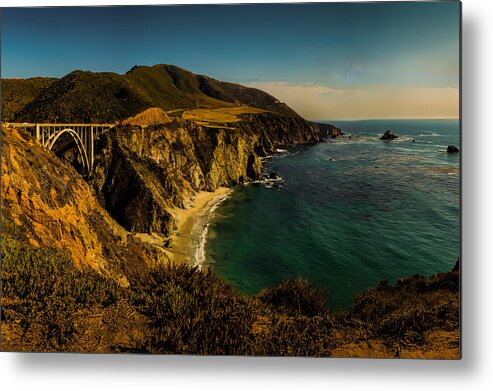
[(29, 124)]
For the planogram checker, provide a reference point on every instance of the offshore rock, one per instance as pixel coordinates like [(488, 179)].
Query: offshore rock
[(389, 135), (452, 149)]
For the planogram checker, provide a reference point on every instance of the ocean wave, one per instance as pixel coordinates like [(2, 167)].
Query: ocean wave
[(430, 133), (266, 181)]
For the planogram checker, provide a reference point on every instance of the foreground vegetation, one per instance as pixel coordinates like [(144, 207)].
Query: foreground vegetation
[(49, 305)]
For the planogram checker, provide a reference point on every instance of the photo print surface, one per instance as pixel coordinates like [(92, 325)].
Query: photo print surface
[(266, 180)]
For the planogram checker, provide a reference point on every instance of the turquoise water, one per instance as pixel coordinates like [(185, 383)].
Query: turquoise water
[(348, 213)]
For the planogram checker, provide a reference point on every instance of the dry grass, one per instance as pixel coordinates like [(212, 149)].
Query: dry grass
[(151, 116), (219, 116)]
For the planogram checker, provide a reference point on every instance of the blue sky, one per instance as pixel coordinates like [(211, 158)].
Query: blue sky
[(326, 60)]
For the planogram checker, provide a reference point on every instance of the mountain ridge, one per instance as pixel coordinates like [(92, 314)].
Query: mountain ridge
[(85, 96)]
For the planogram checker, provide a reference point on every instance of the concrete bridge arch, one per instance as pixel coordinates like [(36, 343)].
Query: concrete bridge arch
[(81, 148), (83, 134)]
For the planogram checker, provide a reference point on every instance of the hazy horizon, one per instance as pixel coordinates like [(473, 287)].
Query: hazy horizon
[(353, 61)]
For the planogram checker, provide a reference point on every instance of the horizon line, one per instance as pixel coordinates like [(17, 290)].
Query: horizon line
[(386, 118)]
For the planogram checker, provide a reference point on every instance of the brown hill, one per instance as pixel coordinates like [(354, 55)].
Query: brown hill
[(109, 97)]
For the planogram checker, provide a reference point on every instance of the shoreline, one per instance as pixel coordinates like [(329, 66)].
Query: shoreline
[(188, 242)]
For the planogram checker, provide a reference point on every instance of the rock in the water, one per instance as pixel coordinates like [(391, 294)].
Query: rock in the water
[(389, 135), (452, 149), (273, 175)]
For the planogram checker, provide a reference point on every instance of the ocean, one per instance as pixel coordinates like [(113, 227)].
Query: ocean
[(347, 214)]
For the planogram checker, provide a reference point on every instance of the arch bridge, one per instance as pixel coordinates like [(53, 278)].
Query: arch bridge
[(84, 136)]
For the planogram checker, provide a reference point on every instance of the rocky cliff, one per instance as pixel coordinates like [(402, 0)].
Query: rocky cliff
[(47, 204), (141, 174)]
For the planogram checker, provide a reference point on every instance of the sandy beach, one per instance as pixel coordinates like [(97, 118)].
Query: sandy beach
[(187, 242)]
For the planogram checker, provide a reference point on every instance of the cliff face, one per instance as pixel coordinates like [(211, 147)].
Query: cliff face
[(46, 203), (140, 174)]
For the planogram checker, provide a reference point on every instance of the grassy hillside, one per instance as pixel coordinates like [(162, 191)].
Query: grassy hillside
[(16, 93), (85, 97), (109, 97), (219, 116)]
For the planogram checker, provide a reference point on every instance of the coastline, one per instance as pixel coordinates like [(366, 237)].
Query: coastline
[(187, 244)]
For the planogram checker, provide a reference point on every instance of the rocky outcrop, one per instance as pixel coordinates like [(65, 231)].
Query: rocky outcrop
[(452, 149), (46, 203), (328, 130), (389, 135)]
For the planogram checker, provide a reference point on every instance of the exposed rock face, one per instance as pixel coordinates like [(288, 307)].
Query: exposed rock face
[(389, 135), (46, 203), (452, 149), (141, 174)]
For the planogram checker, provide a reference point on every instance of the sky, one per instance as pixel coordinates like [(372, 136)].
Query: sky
[(327, 61)]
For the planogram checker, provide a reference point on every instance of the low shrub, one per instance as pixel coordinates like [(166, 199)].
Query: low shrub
[(182, 310), (41, 290), (296, 297)]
